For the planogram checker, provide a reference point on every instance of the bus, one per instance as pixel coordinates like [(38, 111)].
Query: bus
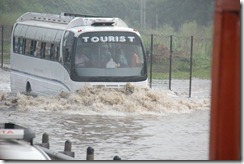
[(52, 53)]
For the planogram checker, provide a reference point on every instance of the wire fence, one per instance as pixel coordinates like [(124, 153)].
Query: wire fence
[(169, 57), (181, 53), (5, 42), (177, 57)]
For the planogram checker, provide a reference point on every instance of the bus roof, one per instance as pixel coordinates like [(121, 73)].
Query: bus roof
[(67, 20)]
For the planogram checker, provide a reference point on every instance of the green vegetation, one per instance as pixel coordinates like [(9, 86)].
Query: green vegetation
[(180, 70), (181, 50), (158, 13), (179, 18)]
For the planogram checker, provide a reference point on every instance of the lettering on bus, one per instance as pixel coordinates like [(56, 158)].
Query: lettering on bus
[(108, 39), (6, 132)]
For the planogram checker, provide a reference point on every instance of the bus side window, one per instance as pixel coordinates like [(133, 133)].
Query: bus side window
[(43, 45), (27, 46), (33, 47), (67, 55), (23, 46), (37, 52), (52, 52), (48, 51), (57, 53), (20, 48), (16, 45), (67, 48)]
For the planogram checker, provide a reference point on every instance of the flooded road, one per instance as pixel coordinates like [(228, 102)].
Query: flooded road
[(147, 124)]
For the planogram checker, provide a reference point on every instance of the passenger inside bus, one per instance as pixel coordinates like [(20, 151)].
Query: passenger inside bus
[(119, 57), (105, 56), (37, 52), (135, 58), (81, 59), (127, 56)]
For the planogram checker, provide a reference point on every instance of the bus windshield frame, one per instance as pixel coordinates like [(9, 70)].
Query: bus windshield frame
[(108, 57)]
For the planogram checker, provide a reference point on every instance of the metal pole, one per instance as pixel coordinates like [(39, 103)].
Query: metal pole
[(2, 49), (151, 60), (170, 61), (141, 14), (144, 14), (191, 66)]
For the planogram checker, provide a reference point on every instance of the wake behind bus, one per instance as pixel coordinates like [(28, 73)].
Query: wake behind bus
[(54, 53)]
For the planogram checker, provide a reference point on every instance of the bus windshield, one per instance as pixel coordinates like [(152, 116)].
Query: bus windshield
[(109, 56)]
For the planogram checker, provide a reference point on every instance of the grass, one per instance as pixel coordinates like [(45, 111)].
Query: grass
[(201, 68), (201, 74)]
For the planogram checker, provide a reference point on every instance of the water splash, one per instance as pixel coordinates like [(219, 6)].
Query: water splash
[(90, 100)]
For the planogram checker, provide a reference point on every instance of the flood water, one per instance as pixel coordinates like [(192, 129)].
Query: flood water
[(142, 124)]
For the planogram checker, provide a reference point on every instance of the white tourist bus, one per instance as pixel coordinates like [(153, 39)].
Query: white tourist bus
[(54, 53)]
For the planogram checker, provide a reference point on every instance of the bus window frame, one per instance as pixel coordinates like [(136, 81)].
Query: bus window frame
[(74, 76), (21, 37), (27, 47), (67, 59)]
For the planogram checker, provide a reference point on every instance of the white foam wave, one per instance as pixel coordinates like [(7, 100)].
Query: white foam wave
[(90, 101)]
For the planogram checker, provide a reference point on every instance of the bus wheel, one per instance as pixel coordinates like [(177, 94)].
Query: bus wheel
[(28, 87)]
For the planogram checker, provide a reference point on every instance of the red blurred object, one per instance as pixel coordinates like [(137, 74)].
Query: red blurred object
[(226, 86)]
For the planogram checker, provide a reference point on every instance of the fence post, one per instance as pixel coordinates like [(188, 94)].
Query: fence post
[(90, 154), (2, 49), (191, 66), (170, 61), (151, 60)]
